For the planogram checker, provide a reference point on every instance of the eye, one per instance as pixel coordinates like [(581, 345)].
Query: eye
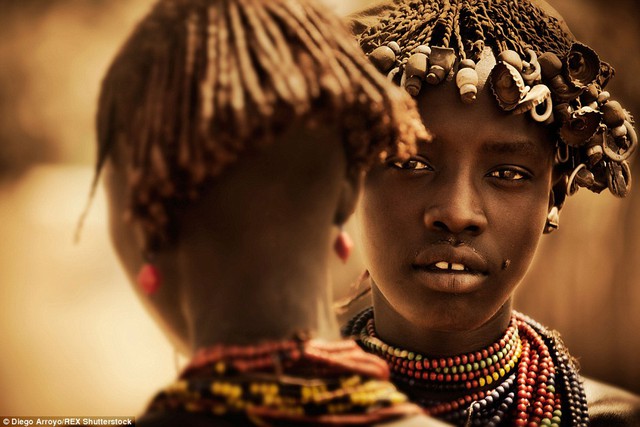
[(413, 164), (510, 174)]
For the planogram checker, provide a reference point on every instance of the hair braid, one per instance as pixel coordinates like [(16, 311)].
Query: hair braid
[(200, 81)]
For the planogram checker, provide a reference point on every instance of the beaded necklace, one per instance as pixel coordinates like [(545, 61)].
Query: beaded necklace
[(526, 378), (294, 381)]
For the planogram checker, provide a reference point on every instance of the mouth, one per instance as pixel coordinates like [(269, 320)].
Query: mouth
[(449, 269)]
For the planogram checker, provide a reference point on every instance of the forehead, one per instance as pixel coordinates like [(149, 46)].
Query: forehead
[(481, 122)]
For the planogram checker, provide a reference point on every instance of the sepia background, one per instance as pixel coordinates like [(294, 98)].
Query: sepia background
[(74, 339)]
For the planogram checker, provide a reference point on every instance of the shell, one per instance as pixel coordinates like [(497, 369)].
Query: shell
[(416, 65), (512, 58), (619, 131), (603, 97), (613, 114), (550, 65), (394, 47), (467, 63), (536, 96), (467, 82), (436, 74), (582, 65), (383, 58), (591, 94), (468, 93), (507, 85), (466, 76), (423, 48), (413, 84), (531, 70), (581, 127), (441, 62)]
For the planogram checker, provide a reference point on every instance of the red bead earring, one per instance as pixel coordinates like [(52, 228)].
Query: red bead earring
[(343, 245), (149, 279)]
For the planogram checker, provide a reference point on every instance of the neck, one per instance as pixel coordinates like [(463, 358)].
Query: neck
[(270, 294), (395, 329)]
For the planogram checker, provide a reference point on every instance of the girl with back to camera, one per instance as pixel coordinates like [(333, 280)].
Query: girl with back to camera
[(521, 119), (226, 186)]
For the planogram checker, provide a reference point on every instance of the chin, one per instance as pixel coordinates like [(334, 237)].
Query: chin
[(455, 316)]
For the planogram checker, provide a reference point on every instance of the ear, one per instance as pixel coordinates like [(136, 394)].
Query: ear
[(349, 195)]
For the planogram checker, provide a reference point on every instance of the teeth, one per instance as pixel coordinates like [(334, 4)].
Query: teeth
[(456, 267), (443, 265)]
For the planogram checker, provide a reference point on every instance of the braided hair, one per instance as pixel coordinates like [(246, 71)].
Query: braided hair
[(467, 27), (200, 81), (541, 69)]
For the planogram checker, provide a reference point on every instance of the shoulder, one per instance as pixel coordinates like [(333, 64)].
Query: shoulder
[(610, 406), (180, 419)]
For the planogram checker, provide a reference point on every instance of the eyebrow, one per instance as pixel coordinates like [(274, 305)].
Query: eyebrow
[(511, 147)]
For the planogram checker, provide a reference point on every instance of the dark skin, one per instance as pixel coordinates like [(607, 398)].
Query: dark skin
[(243, 247), (251, 260), (449, 235), (476, 198)]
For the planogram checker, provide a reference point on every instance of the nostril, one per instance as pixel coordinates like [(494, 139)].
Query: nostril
[(440, 225), (473, 228)]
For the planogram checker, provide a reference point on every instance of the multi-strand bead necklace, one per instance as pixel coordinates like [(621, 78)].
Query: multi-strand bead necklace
[(297, 381), (526, 378)]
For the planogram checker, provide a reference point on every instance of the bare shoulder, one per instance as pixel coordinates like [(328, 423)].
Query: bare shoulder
[(611, 406)]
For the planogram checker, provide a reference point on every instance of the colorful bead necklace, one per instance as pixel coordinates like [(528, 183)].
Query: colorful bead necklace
[(298, 381), (526, 378)]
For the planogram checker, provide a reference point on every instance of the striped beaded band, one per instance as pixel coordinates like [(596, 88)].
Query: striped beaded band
[(298, 381), (468, 371)]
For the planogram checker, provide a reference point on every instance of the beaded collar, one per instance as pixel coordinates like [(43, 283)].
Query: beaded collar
[(297, 381), (526, 378)]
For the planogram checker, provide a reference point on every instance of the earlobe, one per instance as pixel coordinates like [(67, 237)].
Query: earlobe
[(349, 195)]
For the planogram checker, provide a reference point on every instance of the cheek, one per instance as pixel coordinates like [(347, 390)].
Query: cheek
[(521, 233), (388, 219)]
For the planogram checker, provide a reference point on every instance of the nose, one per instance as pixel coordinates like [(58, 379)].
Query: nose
[(455, 207)]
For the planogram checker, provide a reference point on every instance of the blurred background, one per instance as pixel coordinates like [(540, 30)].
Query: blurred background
[(74, 339)]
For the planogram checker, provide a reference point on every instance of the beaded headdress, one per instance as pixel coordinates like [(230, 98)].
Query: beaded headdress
[(201, 81), (540, 71)]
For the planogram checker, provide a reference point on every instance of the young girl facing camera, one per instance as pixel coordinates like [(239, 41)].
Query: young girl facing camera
[(521, 119)]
